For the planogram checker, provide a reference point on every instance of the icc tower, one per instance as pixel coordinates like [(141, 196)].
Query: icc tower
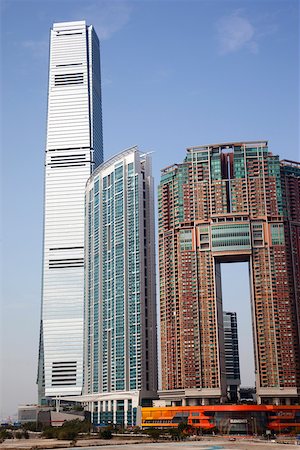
[(73, 149)]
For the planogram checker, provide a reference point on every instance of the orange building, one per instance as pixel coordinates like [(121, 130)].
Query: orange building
[(226, 419)]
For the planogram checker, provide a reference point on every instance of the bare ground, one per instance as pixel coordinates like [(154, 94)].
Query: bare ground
[(140, 444)]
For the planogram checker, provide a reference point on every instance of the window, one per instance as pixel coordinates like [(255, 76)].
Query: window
[(68, 79), (185, 239)]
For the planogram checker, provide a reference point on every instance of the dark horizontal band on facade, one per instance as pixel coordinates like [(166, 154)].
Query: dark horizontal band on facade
[(63, 363), (68, 65), (66, 248), (72, 160), (68, 156), (54, 261), (66, 165), (68, 148), (58, 34), (67, 267), (68, 75)]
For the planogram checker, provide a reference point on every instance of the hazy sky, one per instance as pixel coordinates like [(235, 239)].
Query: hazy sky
[(174, 74)]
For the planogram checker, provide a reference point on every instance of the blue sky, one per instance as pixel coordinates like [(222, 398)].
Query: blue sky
[(174, 74)]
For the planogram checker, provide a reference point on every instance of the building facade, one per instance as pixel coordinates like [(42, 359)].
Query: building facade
[(227, 419), (73, 150), (225, 203), (120, 313), (232, 359)]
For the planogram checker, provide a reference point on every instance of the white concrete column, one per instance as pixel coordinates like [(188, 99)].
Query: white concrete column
[(104, 406), (114, 406), (109, 405), (183, 402), (125, 412), (98, 417)]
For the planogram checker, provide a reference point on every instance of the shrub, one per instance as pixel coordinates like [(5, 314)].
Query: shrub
[(105, 434), (25, 434), (175, 434), (19, 435), (80, 426), (69, 430), (77, 408), (31, 426), (5, 434), (67, 435), (183, 427), (154, 433), (50, 433)]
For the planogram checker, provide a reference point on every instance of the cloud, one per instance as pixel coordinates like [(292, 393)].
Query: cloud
[(160, 75), (236, 32), (106, 81), (38, 48), (107, 16)]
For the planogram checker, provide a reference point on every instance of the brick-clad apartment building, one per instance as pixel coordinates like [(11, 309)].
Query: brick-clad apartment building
[(225, 203)]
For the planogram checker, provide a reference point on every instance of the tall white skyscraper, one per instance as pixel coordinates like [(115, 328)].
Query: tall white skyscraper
[(73, 149)]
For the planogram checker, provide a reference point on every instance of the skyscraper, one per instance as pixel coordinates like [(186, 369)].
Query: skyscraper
[(225, 203), (73, 149), (232, 359), (120, 312)]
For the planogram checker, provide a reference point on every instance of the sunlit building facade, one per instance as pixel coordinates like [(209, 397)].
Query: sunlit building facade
[(225, 203), (73, 150), (226, 419), (120, 312)]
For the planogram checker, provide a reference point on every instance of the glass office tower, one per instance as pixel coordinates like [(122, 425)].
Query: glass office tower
[(73, 150), (120, 314), (232, 359)]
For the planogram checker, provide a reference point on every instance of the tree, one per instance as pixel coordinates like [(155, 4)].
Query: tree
[(183, 427), (175, 434)]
